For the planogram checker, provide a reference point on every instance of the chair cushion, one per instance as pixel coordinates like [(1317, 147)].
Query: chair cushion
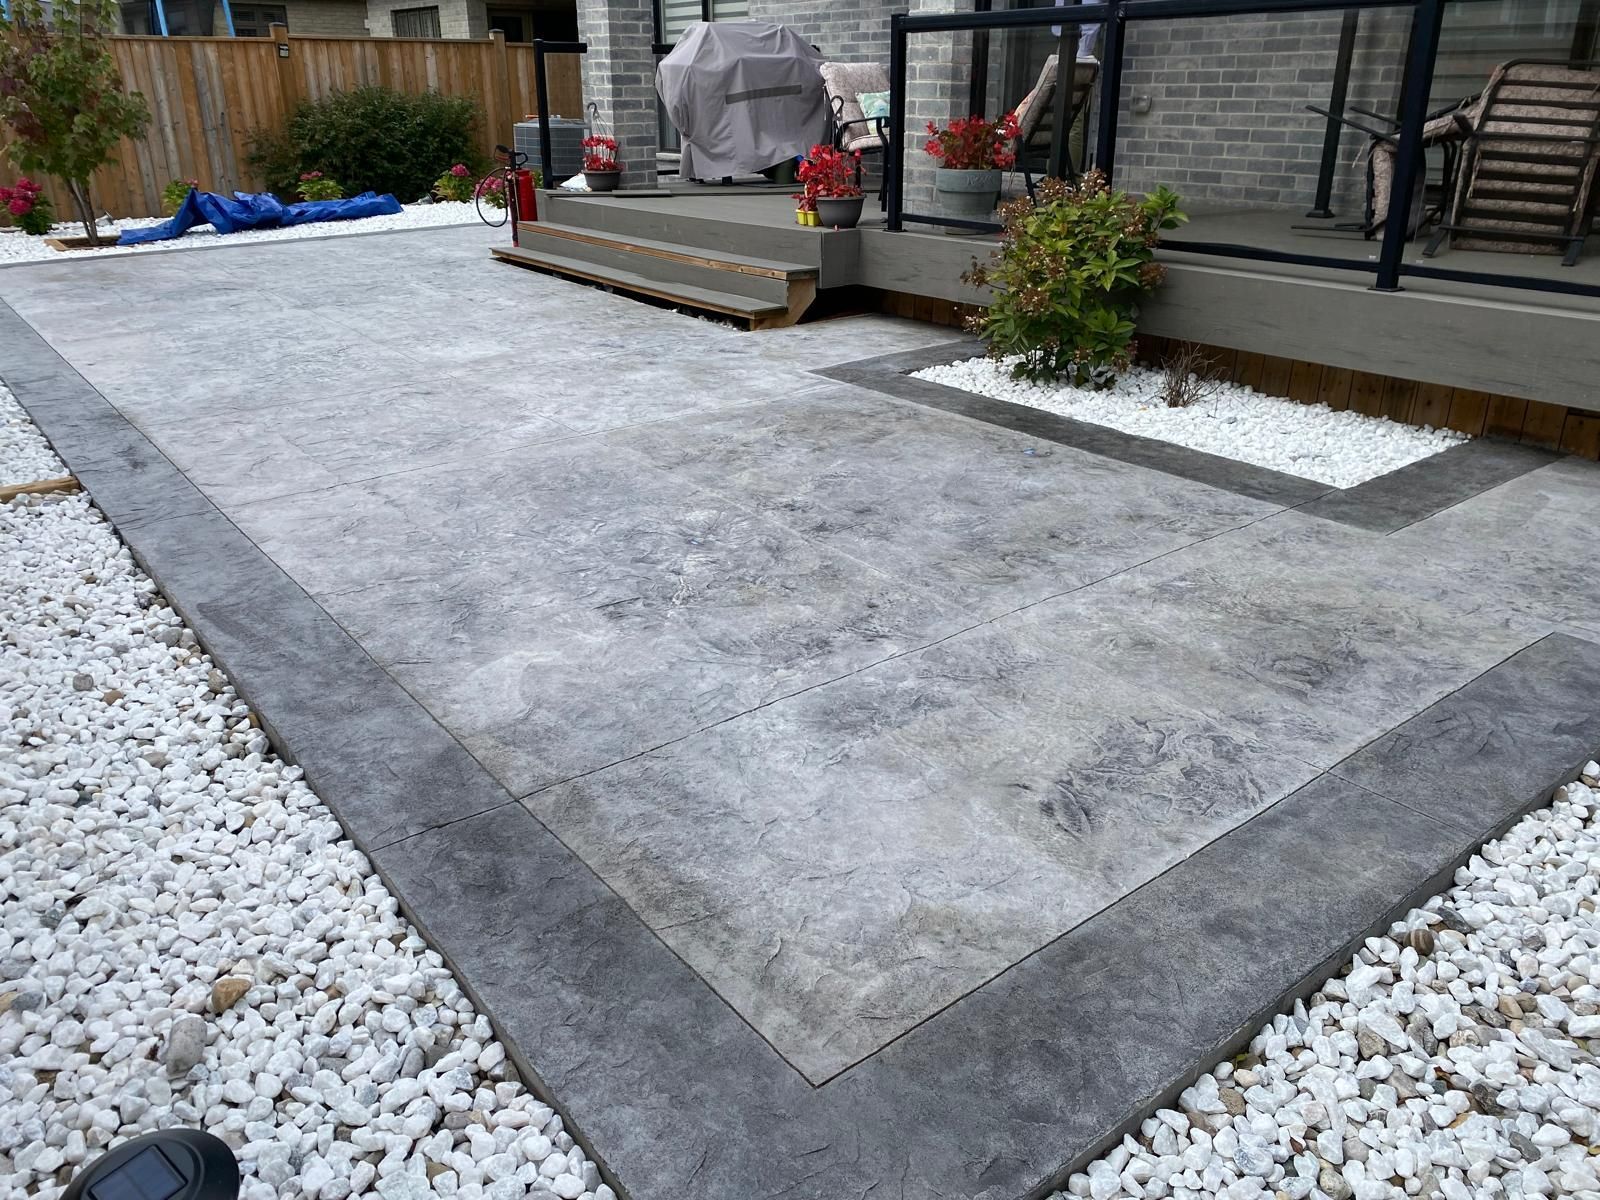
[(873, 104), (846, 82), (1033, 107), (870, 140)]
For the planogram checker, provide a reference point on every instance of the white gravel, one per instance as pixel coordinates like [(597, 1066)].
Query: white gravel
[(1453, 1058), (25, 457), (17, 247), (1312, 441), (186, 937)]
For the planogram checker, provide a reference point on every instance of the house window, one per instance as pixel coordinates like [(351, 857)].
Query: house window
[(509, 23), (257, 20), (416, 22)]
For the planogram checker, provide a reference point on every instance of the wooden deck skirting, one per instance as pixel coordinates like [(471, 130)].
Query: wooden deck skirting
[(1551, 426)]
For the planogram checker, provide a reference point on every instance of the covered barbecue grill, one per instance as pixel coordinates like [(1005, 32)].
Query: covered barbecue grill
[(743, 95)]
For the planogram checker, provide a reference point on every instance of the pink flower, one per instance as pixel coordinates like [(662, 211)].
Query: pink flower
[(310, 175), (20, 207), (459, 171)]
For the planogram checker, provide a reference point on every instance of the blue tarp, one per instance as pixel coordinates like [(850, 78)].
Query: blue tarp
[(257, 210)]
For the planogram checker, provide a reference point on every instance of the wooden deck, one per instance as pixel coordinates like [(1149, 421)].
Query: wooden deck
[(1504, 342)]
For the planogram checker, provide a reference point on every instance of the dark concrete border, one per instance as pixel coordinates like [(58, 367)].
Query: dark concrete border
[(1382, 505), (996, 1097)]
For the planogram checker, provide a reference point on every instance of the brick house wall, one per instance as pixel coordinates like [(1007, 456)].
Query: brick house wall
[(844, 30), (619, 73), (333, 18), (1227, 124), (457, 18)]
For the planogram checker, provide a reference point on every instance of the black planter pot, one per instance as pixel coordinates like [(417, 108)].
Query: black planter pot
[(602, 181), (839, 212)]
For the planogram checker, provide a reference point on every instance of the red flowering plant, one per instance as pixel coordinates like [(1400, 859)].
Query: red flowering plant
[(29, 207), (600, 153), (975, 143), (828, 174), (455, 184)]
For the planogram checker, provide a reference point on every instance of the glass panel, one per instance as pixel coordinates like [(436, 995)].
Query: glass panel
[(1516, 133), (1223, 110), (955, 76)]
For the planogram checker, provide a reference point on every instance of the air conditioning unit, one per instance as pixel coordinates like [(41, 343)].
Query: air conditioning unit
[(566, 147)]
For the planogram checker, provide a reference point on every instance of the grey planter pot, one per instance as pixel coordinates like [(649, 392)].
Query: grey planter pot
[(602, 181), (840, 212), (969, 195)]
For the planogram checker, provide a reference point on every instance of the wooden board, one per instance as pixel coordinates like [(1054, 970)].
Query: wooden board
[(40, 487)]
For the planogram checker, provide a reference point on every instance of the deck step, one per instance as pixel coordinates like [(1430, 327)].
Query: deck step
[(760, 312), (680, 252)]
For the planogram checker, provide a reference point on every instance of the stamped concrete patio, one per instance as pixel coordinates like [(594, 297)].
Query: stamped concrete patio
[(830, 786)]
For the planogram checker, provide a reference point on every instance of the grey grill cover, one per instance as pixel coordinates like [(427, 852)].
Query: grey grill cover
[(744, 96)]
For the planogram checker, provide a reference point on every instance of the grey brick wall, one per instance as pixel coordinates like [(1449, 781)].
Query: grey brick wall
[(938, 88), (844, 30), (454, 17), (619, 76), (335, 18), (1227, 123)]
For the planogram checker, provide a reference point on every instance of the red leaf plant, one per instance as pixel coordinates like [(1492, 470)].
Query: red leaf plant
[(827, 174), (975, 143)]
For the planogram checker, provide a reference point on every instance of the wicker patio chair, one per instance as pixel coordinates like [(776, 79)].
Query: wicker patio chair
[(851, 129), (1528, 162), (1036, 115)]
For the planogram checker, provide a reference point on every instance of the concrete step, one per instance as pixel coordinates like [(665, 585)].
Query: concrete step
[(671, 264), (759, 312)]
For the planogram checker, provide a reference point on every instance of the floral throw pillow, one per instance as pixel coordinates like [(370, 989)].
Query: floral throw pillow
[(873, 104)]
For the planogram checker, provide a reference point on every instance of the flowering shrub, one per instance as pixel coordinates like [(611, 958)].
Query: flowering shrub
[(175, 193), (455, 184), (600, 153), (975, 144), (493, 190), (1068, 276), (28, 207), (314, 185), (828, 174)]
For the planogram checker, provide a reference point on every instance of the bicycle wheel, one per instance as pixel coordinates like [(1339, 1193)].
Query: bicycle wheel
[(497, 184)]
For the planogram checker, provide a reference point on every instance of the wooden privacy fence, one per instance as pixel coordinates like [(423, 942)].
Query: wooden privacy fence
[(208, 94)]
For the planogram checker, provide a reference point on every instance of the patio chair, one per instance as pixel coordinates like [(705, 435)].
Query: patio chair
[(1036, 115), (851, 129), (1528, 162), (1441, 129)]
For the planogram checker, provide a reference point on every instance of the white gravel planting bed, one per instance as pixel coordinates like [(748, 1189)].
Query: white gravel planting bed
[(1312, 441), (187, 939), (16, 247), (25, 457), (1454, 1058)]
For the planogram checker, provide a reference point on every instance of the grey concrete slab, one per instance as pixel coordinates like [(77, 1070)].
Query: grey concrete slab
[(1001, 521), (577, 606), (1301, 629), (1479, 757), (970, 803), (843, 865)]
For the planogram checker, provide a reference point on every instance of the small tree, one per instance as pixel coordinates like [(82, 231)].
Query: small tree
[(62, 95)]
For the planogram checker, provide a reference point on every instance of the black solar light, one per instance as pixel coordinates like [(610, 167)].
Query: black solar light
[(174, 1164)]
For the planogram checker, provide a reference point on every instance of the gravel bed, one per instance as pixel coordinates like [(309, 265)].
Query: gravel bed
[(187, 938), (1312, 441), (25, 457), (1453, 1058), (16, 247)]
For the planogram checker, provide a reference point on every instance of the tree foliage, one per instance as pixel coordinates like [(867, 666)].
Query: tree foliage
[(61, 94)]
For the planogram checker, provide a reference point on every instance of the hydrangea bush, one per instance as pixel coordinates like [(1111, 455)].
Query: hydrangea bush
[(29, 207)]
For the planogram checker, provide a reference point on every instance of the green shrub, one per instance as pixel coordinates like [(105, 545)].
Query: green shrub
[(456, 184), (1068, 277), (314, 185), (372, 139), (175, 193)]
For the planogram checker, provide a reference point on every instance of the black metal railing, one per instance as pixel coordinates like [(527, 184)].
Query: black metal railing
[(1421, 58), (541, 84)]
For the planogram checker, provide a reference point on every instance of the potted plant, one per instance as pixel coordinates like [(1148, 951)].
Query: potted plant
[(971, 152), (805, 210), (601, 170), (829, 177)]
